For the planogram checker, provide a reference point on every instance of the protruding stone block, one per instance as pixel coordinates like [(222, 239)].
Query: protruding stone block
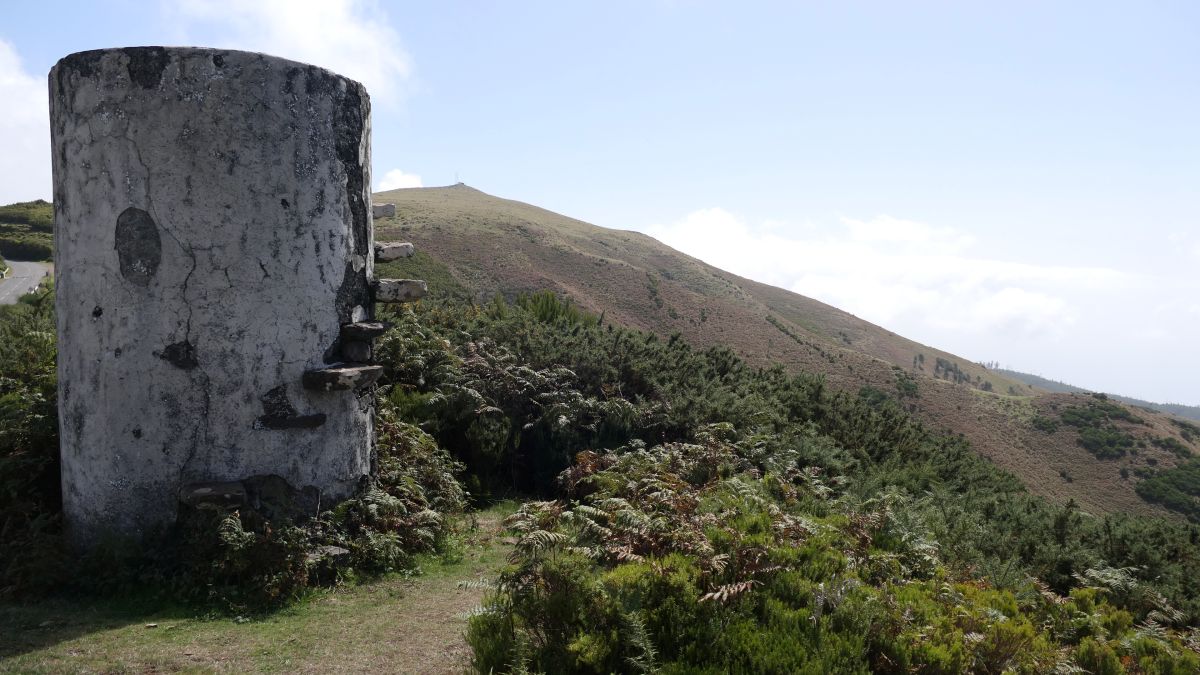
[(364, 330), (342, 377), (334, 554), (356, 351), (386, 251), (230, 494), (383, 211), (400, 290)]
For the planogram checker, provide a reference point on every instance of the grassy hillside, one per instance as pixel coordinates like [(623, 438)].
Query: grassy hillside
[(502, 246), (481, 246), (27, 231)]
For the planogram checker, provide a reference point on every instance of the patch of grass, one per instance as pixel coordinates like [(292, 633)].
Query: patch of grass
[(442, 282), (390, 622)]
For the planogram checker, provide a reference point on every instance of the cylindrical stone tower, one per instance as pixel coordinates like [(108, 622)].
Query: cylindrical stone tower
[(212, 244)]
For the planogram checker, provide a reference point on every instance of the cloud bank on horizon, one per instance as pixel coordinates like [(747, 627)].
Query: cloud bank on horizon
[(934, 285)]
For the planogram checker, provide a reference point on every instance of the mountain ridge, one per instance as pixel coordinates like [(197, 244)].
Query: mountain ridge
[(1178, 409), (475, 244)]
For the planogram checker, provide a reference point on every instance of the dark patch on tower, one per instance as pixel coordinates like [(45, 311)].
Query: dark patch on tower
[(146, 65), (182, 355), (350, 110), (84, 63), (352, 292), (139, 246), (279, 413)]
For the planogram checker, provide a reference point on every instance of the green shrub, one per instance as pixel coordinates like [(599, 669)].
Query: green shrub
[(26, 245), (38, 215), (1097, 657), (1172, 445), (239, 560), (1105, 442), (1044, 424), (1177, 489), (1189, 431), (906, 386), (30, 497), (1098, 411), (705, 573)]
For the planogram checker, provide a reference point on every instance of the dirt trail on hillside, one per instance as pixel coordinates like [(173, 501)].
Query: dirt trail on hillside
[(425, 628)]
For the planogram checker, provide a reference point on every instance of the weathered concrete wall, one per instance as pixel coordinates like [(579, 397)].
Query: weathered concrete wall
[(212, 235)]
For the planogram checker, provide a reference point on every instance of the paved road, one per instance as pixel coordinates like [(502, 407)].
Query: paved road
[(23, 278)]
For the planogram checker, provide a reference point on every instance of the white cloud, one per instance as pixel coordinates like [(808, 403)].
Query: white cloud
[(895, 272), (350, 37), (893, 231), (396, 179), (24, 131), (1096, 326)]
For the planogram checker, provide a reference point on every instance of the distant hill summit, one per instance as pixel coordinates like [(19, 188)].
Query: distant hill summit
[(1188, 411), (473, 245)]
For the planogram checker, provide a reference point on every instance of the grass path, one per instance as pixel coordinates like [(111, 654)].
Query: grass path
[(404, 625)]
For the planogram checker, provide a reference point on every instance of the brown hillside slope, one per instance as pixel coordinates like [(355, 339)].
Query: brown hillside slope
[(486, 246)]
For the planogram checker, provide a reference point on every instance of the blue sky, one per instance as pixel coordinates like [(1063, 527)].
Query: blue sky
[(1017, 182)]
